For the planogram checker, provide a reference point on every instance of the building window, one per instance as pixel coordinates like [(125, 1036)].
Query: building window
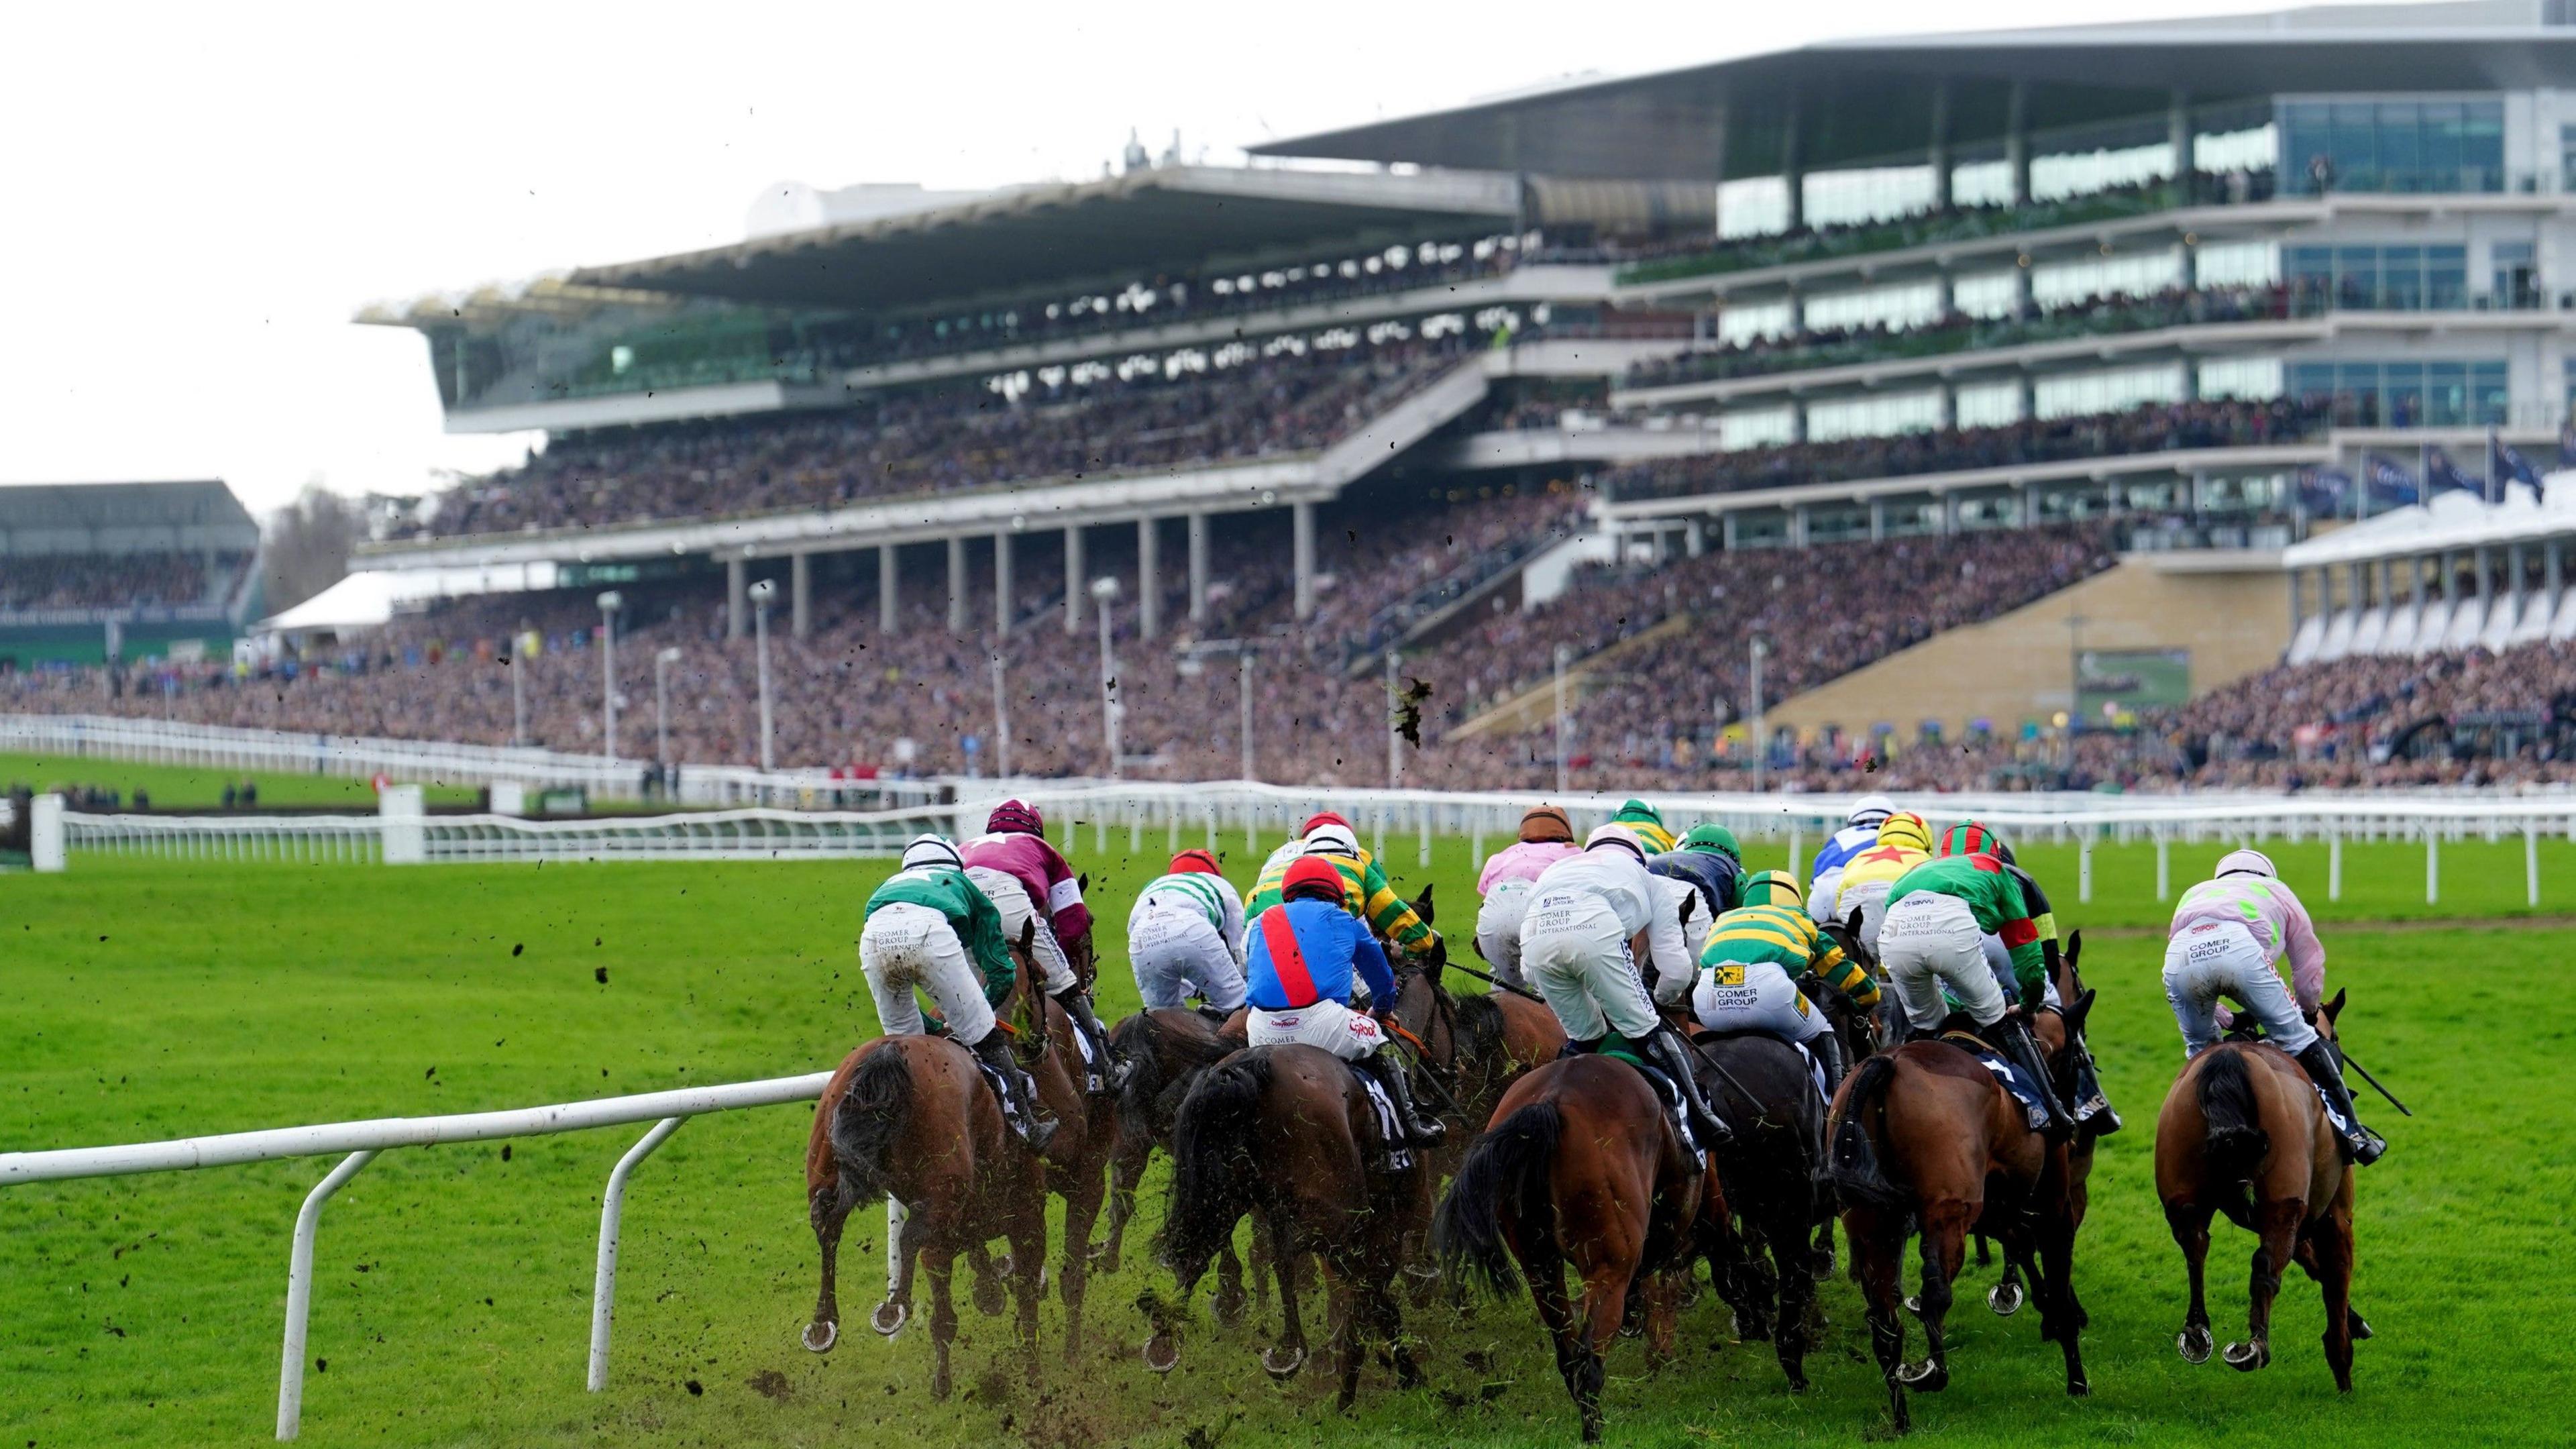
[(2112, 391), (2405, 394), (2376, 278), (1873, 417), (2357, 144)]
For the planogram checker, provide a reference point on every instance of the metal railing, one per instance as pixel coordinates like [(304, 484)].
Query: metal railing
[(362, 1141), (749, 834)]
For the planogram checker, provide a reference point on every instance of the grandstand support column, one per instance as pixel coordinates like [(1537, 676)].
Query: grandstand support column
[(1717, 180), (1726, 531), (2298, 599), (800, 594), (1793, 167), (956, 585), (2552, 576), (1695, 537), (1948, 397), (1949, 514), (1073, 578), (2516, 563), (1937, 155), (1302, 552), (1198, 568), (2361, 598), (1149, 578), (2178, 136), (2199, 491), (735, 602), (2483, 559), (886, 584), (1877, 520), (2017, 141), (1005, 602), (1798, 521)]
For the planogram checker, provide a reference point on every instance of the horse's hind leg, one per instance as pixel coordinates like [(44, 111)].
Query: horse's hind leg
[(1945, 1245), (828, 1213), (1878, 1261), (941, 1264), (2189, 1223), (2059, 1317), (1028, 1230), (2329, 1256), (1796, 1331), (2277, 1230), (1283, 1359), (1126, 1170), (1350, 1315), (1820, 1259), (1081, 1209)]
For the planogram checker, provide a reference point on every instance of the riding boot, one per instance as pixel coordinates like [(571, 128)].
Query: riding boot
[(1828, 1047), (1109, 1074), (1030, 1120), (2012, 1034), (1422, 1130), (2361, 1144), (1215, 1015), (1577, 1047), (1674, 1055), (2091, 1107)]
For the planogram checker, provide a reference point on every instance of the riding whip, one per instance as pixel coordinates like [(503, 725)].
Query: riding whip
[(2374, 1082), (1520, 991)]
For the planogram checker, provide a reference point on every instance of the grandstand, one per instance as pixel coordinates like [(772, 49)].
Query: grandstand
[(1989, 379), (103, 572)]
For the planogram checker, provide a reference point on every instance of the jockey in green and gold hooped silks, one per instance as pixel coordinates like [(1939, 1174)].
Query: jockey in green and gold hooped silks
[(1972, 837), (1751, 963), (1369, 897), (1647, 823), (929, 927), (1938, 915)]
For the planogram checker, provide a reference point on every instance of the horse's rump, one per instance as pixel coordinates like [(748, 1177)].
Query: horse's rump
[(1502, 1186), (2232, 1120), (1852, 1164)]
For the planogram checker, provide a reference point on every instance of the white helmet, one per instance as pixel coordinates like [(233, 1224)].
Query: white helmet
[(1332, 840), (1615, 833), (2247, 862), (1870, 810), (930, 850)]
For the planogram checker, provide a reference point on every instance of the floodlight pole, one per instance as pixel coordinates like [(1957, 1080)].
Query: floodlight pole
[(761, 593), (1756, 729), (1104, 592), (519, 689), (1001, 723), (662, 662), (1243, 669), (609, 603), (1394, 737), (1563, 657)]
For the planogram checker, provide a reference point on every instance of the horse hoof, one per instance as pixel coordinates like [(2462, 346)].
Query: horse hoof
[(2360, 1326), (988, 1295), (1821, 1265), (2005, 1299), (2247, 1357), (830, 1336), (1924, 1378), (2193, 1344), (888, 1321), (1162, 1354), (1282, 1366), (2079, 1387), (1914, 1305)]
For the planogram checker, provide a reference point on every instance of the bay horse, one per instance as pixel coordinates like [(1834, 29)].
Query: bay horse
[(2243, 1132), (1924, 1139), (910, 1120), (1284, 1134), (1580, 1166), (1161, 1053), (1769, 1175)]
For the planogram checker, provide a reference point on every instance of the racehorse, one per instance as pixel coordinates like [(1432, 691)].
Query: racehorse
[(1161, 1053), (1861, 1032), (1284, 1133), (1581, 1166), (2244, 1132), (1920, 1135), (909, 1119)]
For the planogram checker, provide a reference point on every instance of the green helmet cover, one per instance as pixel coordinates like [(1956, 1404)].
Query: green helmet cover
[(1773, 888), (1713, 840)]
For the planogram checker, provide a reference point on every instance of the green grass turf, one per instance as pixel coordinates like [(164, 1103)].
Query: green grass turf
[(177, 786), (150, 1000)]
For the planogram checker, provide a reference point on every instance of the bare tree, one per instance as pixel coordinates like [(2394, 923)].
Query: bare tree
[(307, 549)]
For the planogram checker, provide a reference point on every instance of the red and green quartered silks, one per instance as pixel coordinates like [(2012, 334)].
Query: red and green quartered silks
[(1992, 896)]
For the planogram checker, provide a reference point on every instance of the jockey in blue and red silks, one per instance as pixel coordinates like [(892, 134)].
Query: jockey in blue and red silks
[(1300, 958)]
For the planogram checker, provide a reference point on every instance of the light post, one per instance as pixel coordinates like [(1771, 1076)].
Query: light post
[(662, 662), (761, 593), (1564, 656), (1104, 592), (609, 603), (519, 685), (1243, 668), (1001, 723), (1754, 728), (1394, 738)]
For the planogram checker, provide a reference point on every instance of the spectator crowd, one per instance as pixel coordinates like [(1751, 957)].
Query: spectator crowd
[(30, 583)]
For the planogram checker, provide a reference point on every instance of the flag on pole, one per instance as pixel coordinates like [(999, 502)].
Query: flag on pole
[(2324, 491), (2441, 476), (2509, 466), (2390, 485)]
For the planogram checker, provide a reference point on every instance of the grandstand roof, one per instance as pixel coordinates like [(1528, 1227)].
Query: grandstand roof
[(48, 518), (2451, 520), (1147, 220), (1871, 100)]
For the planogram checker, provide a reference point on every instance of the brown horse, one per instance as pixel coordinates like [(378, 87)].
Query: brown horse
[(1162, 1053), (910, 1119), (1285, 1134), (2243, 1133), (1581, 1166), (1925, 1138)]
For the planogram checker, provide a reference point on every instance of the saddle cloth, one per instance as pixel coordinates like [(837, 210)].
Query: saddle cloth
[(1001, 1092), (1390, 1131), (2012, 1078), (1664, 1088)]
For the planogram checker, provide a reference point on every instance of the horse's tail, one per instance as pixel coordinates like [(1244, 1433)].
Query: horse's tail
[(2236, 1137), (1506, 1169), (1213, 1142), (870, 1116), (1852, 1165)]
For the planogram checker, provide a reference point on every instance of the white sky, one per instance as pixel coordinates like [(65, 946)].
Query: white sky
[(199, 197)]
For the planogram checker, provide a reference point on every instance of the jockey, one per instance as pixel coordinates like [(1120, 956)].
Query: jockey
[(1647, 824), (1971, 838), (1750, 968), (1700, 882), (929, 927), (1301, 959), (1578, 945), (1859, 833), (1370, 897), (1937, 916), (1012, 863), (1904, 842), (2228, 934), (1185, 937), (1546, 838)]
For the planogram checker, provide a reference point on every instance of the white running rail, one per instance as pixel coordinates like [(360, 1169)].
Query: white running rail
[(751, 834), (361, 1141)]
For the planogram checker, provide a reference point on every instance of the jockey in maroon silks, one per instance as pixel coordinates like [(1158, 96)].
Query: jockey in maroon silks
[(1029, 880)]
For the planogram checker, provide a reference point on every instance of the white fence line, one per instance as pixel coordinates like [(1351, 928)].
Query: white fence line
[(398, 839), (361, 1141)]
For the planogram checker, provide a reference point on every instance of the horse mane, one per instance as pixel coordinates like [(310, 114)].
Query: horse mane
[(1508, 1166), (1213, 1181), (1852, 1164), (1152, 1097), (865, 1124), (1478, 1020), (2236, 1139)]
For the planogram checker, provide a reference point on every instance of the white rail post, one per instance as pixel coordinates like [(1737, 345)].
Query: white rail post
[(2084, 868), (2432, 864), (1422, 811), (1476, 842), (2334, 862), (612, 1205), (1797, 839), (299, 1292), (2531, 866), (45, 833), (2164, 865)]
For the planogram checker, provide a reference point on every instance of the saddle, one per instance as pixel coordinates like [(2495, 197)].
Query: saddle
[(2015, 1082), (1666, 1091), (1393, 1151)]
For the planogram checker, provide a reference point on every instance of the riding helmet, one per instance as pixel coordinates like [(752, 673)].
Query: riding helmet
[(1906, 829), (1546, 824), (1332, 839), (1195, 861), (1616, 834), (2247, 862), (1015, 817), (1713, 840), (931, 850), (1870, 810), (1311, 877), (1774, 888)]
